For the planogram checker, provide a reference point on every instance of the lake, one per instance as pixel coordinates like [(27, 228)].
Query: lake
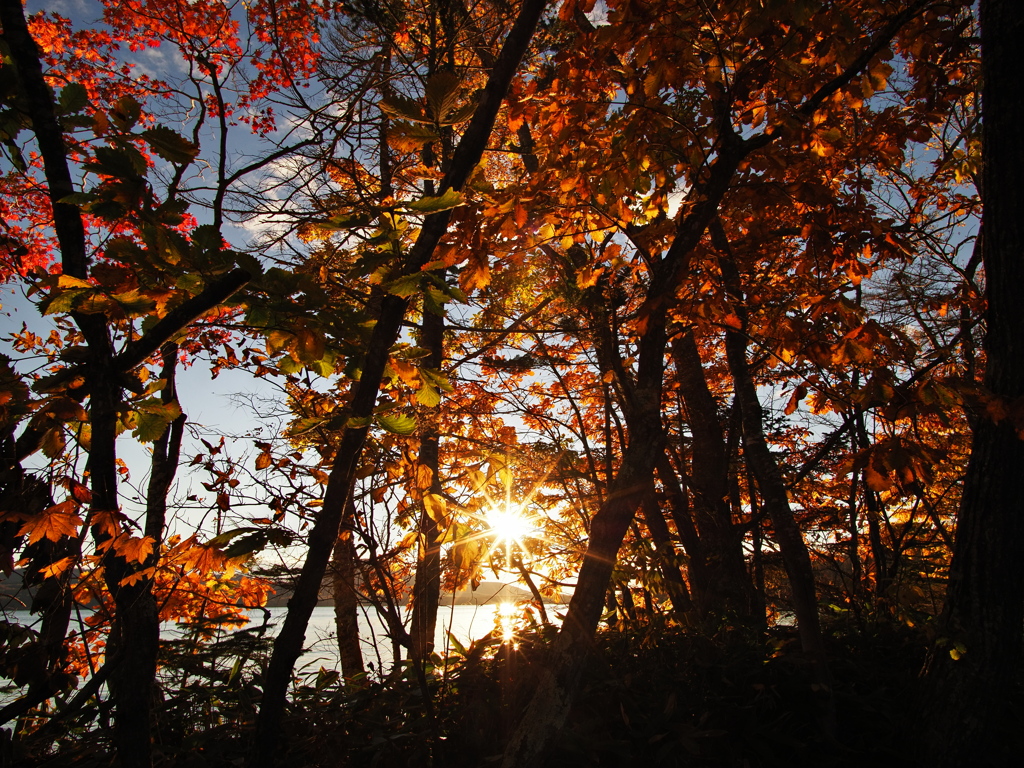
[(465, 622)]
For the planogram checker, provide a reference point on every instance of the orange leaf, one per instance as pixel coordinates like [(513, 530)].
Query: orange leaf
[(135, 549), (53, 523), (877, 481), (56, 569), (79, 492)]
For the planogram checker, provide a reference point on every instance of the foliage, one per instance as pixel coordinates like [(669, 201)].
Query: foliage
[(669, 206)]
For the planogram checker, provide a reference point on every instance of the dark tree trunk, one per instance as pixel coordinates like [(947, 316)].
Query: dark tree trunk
[(678, 593), (772, 486), (346, 599), (965, 719), (724, 590), (426, 590), (392, 313), (556, 687)]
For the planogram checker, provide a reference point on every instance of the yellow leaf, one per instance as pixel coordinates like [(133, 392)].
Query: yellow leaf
[(588, 277), (435, 506), (67, 281), (406, 371)]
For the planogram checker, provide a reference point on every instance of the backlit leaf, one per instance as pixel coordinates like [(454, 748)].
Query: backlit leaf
[(169, 145)]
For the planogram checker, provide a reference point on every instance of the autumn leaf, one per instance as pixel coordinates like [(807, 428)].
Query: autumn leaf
[(56, 568), (398, 424), (433, 204), (53, 523), (170, 146), (435, 506), (135, 549)]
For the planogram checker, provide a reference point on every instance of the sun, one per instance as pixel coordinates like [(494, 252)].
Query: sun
[(508, 527), (508, 524)]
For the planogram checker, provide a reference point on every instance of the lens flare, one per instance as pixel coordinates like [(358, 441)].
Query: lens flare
[(506, 617), (508, 524)]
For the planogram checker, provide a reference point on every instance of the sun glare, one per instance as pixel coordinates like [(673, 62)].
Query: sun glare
[(506, 616), (508, 524)]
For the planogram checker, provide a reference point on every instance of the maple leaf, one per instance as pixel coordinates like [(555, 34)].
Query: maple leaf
[(135, 549), (53, 523)]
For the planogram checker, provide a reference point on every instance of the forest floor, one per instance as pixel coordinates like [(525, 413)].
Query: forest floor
[(650, 696)]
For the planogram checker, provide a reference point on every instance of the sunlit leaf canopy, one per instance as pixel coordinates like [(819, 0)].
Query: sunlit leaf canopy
[(676, 306)]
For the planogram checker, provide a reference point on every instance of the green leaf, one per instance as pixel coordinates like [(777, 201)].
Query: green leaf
[(73, 98), (417, 133), (458, 647), (404, 286), (112, 162), (170, 245), (397, 424), (323, 367), (302, 426), (434, 301), (65, 301), (171, 146), (126, 113), (81, 199), (248, 544), (289, 365), (190, 283), (134, 303), (459, 115), (153, 416), (438, 379), (207, 237), (446, 201)]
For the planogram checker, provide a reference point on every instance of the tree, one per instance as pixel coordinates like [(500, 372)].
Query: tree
[(709, 264), (973, 667)]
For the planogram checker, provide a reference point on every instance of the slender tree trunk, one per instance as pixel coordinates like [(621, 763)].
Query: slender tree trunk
[(559, 679), (678, 593), (966, 718), (725, 591), (774, 495), (392, 313), (426, 590), (346, 599)]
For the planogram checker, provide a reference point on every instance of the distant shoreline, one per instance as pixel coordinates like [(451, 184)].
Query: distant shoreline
[(488, 593)]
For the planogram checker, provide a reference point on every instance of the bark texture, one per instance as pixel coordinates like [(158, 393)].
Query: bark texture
[(965, 715), (722, 586)]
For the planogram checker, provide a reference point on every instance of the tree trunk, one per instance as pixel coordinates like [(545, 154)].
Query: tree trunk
[(324, 532), (346, 600), (725, 590), (965, 720), (426, 590), (678, 593)]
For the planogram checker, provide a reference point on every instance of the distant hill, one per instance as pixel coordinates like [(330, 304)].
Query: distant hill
[(487, 593), (14, 596)]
